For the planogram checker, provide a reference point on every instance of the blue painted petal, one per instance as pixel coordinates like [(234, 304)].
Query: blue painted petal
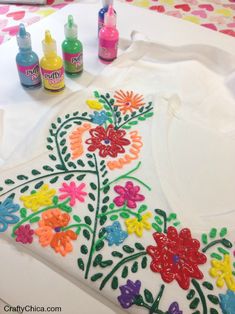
[(3, 225)]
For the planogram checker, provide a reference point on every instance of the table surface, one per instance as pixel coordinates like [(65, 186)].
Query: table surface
[(17, 286)]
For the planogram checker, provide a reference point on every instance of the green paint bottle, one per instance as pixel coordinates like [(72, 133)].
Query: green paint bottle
[(72, 49)]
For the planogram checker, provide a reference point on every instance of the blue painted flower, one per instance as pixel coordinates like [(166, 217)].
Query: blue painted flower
[(7, 208), (99, 117), (174, 309), (115, 234), (227, 302), (129, 292)]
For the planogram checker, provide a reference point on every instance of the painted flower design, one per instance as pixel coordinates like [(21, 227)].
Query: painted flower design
[(115, 234), (222, 270), (128, 101), (99, 117), (227, 302), (43, 197), (174, 309), (50, 231), (176, 256), (94, 104), (73, 192), (129, 292), (108, 141), (24, 234), (7, 217), (137, 225), (129, 195)]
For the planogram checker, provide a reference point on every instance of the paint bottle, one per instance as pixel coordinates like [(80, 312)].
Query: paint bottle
[(72, 49), (102, 12), (108, 37), (27, 60), (51, 65)]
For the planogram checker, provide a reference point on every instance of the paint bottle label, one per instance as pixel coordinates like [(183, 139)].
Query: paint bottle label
[(73, 62), (29, 75), (108, 49), (53, 79)]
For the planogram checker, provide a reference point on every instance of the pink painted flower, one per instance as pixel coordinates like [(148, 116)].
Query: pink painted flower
[(73, 192), (128, 195), (24, 234)]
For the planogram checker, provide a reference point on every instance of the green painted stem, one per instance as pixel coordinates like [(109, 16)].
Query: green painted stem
[(127, 176), (120, 264), (156, 311), (35, 214), (46, 176), (117, 211), (155, 304), (201, 295), (163, 215), (214, 243), (111, 109), (140, 114), (78, 225), (96, 220)]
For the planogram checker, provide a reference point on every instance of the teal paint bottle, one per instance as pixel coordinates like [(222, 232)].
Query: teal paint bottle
[(27, 61), (72, 49)]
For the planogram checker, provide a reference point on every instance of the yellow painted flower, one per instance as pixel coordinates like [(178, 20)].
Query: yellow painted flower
[(94, 104), (137, 226), (43, 197), (222, 270)]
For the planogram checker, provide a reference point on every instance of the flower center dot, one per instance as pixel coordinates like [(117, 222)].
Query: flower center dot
[(176, 259), (57, 229), (106, 141)]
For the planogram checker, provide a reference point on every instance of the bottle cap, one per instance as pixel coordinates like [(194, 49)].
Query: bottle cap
[(110, 17), (70, 28), (48, 43), (23, 37), (106, 3)]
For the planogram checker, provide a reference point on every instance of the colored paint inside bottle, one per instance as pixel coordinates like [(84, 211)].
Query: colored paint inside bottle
[(108, 38), (51, 65), (102, 12), (27, 60), (72, 49)]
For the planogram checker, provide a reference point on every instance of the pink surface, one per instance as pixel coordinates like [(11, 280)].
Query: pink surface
[(217, 15)]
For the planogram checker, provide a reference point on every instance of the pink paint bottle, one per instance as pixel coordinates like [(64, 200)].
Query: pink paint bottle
[(108, 37)]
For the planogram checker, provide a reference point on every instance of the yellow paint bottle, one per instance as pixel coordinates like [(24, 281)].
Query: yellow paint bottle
[(51, 65)]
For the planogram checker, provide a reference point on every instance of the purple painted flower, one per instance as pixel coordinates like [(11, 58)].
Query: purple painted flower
[(174, 309), (129, 292), (24, 234), (128, 195)]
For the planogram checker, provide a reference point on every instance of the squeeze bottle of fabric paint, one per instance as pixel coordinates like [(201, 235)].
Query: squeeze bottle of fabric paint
[(72, 49), (27, 60), (108, 37), (102, 12), (51, 65)]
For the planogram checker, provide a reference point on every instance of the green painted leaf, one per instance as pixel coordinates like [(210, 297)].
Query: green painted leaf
[(49, 147), (9, 181), (111, 206), (191, 294), (91, 164), (106, 189), (49, 140), (96, 276), (194, 304), (53, 180), (125, 272), (141, 109), (60, 167), (1, 188), (134, 267), (62, 142), (133, 122), (93, 186), (148, 296), (96, 94), (113, 217), (68, 177), (103, 220), (75, 113), (76, 218), (38, 185), (72, 165), (59, 120), (227, 243), (124, 215), (213, 298), (92, 196), (101, 233), (89, 155), (80, 264), (23, 213), (52, 157), (24, 189), (80, 163), (142, 209), (213, 233), (117, 254), (86, 234), (67, 157), (126, 127), (48, 168), (88, 220), (139, 246), (97, 260), (63, 133), (158, 220), (172, 216), (141, 118), (67, 126), (34, 219), (64, 149), (81, 177), (144, 262), (22, 177), (105, 199), (204, 238), (90, 208), (223, 232), (213, 311), (148, 114), (84, 249), (107, 263), (99, 245), (53, 125), (12, 196), (222, 251), (84, 114), (156, 227), (128, 249), (216, 256), (114, 283), (207, 285), (35, 172)]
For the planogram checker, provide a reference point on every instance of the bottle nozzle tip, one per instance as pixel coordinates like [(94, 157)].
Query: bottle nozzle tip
[(48, 38), (22, 30), (70, 21)]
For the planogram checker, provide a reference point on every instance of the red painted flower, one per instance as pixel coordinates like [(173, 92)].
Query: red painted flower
[(108, 141), (176, 256)]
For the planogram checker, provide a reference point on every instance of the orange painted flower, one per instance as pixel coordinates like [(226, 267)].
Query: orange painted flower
[(50, 231), (128, 101)]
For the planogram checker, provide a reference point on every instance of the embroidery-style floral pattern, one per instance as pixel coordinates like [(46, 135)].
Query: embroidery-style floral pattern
[(89, 197), (176, 256), (109, 142), (73, 192), (128, 195), (42, 197)]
